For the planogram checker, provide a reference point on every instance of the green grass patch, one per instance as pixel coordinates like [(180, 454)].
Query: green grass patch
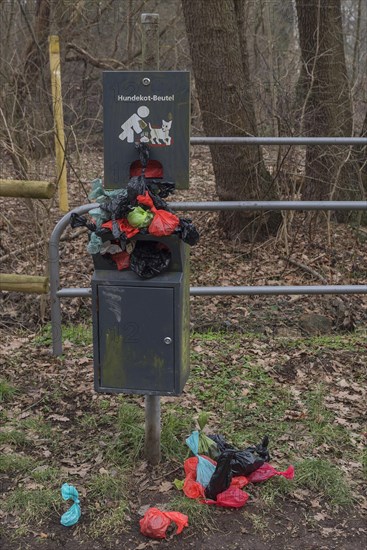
[(33, 506), (200, 516), (13, 437), (11, 464), (80, 335), (339, 342), (177, 424), (275, 489), (107, 523), (7, 391), (321, 423), (364, 463), (46, 473), (325, 479), (127, 444), (106, 486)]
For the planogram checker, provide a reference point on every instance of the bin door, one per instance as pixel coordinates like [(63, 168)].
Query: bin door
[(134, 324)]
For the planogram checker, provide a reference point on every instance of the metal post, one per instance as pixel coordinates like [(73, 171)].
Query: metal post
[(150, 61)]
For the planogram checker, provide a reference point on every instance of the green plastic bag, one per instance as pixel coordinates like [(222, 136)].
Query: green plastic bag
[(71, 517), (139, 217)]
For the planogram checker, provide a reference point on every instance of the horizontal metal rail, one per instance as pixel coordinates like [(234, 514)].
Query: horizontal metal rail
[(54, 256), (242, 290), (252, 140), (270, 205)]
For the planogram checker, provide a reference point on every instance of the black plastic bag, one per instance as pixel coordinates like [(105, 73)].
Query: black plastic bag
[(136, 186), (160, 203), (244, 462), (188, 232), (144, 154), (117, 206), (149, 259), (161, 188), (222, 477), (81, 221)]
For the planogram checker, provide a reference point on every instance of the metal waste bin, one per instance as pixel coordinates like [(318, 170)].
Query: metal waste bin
[(141, 327)]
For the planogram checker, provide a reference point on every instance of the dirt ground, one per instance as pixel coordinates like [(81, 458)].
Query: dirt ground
[(301, 519)]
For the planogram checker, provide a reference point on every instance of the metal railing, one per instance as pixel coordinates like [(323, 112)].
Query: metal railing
[(54, 256)]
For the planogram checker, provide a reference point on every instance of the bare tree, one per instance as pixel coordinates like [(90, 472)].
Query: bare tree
[(324, 93), (220, 64)]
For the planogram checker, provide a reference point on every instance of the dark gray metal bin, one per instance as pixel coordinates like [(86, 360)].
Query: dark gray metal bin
[(141, 327)]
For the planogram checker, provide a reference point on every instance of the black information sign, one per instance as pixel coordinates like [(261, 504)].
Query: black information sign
[(151, 107)]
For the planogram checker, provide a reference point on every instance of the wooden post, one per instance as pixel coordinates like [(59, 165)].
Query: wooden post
[(27, 189), (54, 52), (150, 61), (23, 283), (150, 41)]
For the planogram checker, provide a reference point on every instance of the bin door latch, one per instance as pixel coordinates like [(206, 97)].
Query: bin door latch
[(167, 340)]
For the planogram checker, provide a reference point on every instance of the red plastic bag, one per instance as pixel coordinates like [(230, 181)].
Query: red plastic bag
[(164, 223), (155, 523), (124, 226), (232, 497), (266, 471), (122, 260)]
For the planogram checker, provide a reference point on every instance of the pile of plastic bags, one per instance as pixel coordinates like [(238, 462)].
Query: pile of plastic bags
[(220, 481), (124, 213)]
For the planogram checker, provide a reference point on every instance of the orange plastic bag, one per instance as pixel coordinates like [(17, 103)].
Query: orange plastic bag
[(164, 223), (155, 523)]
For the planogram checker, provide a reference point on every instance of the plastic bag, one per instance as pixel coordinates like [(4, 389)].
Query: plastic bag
[(164, 222), (71, 517), (222, 476), (149, 259), (95, 244), (122, 260), (161, 188), (117, 206), (232, 497), (81, 221), (124, 226), (138, 217), (205, 468), (110, 248), (99, 194), (188, 232), (99, 216), (155, 523), (247, 461), (135, 187), (193, 489), (266, 471)]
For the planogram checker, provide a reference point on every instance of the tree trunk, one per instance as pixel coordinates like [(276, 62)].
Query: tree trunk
[(220, 65), (324, 93)]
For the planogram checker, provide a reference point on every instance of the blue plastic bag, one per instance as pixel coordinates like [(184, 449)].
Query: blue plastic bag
[(71, 517), (205, 469), (99, 194), (95, 244)]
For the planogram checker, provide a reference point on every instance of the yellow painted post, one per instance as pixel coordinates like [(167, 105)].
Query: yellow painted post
[(54, 51)]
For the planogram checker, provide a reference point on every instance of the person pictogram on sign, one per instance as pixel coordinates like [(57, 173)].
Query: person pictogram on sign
[(134, 124)]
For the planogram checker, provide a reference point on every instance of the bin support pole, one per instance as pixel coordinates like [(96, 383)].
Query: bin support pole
[(150, 61)]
